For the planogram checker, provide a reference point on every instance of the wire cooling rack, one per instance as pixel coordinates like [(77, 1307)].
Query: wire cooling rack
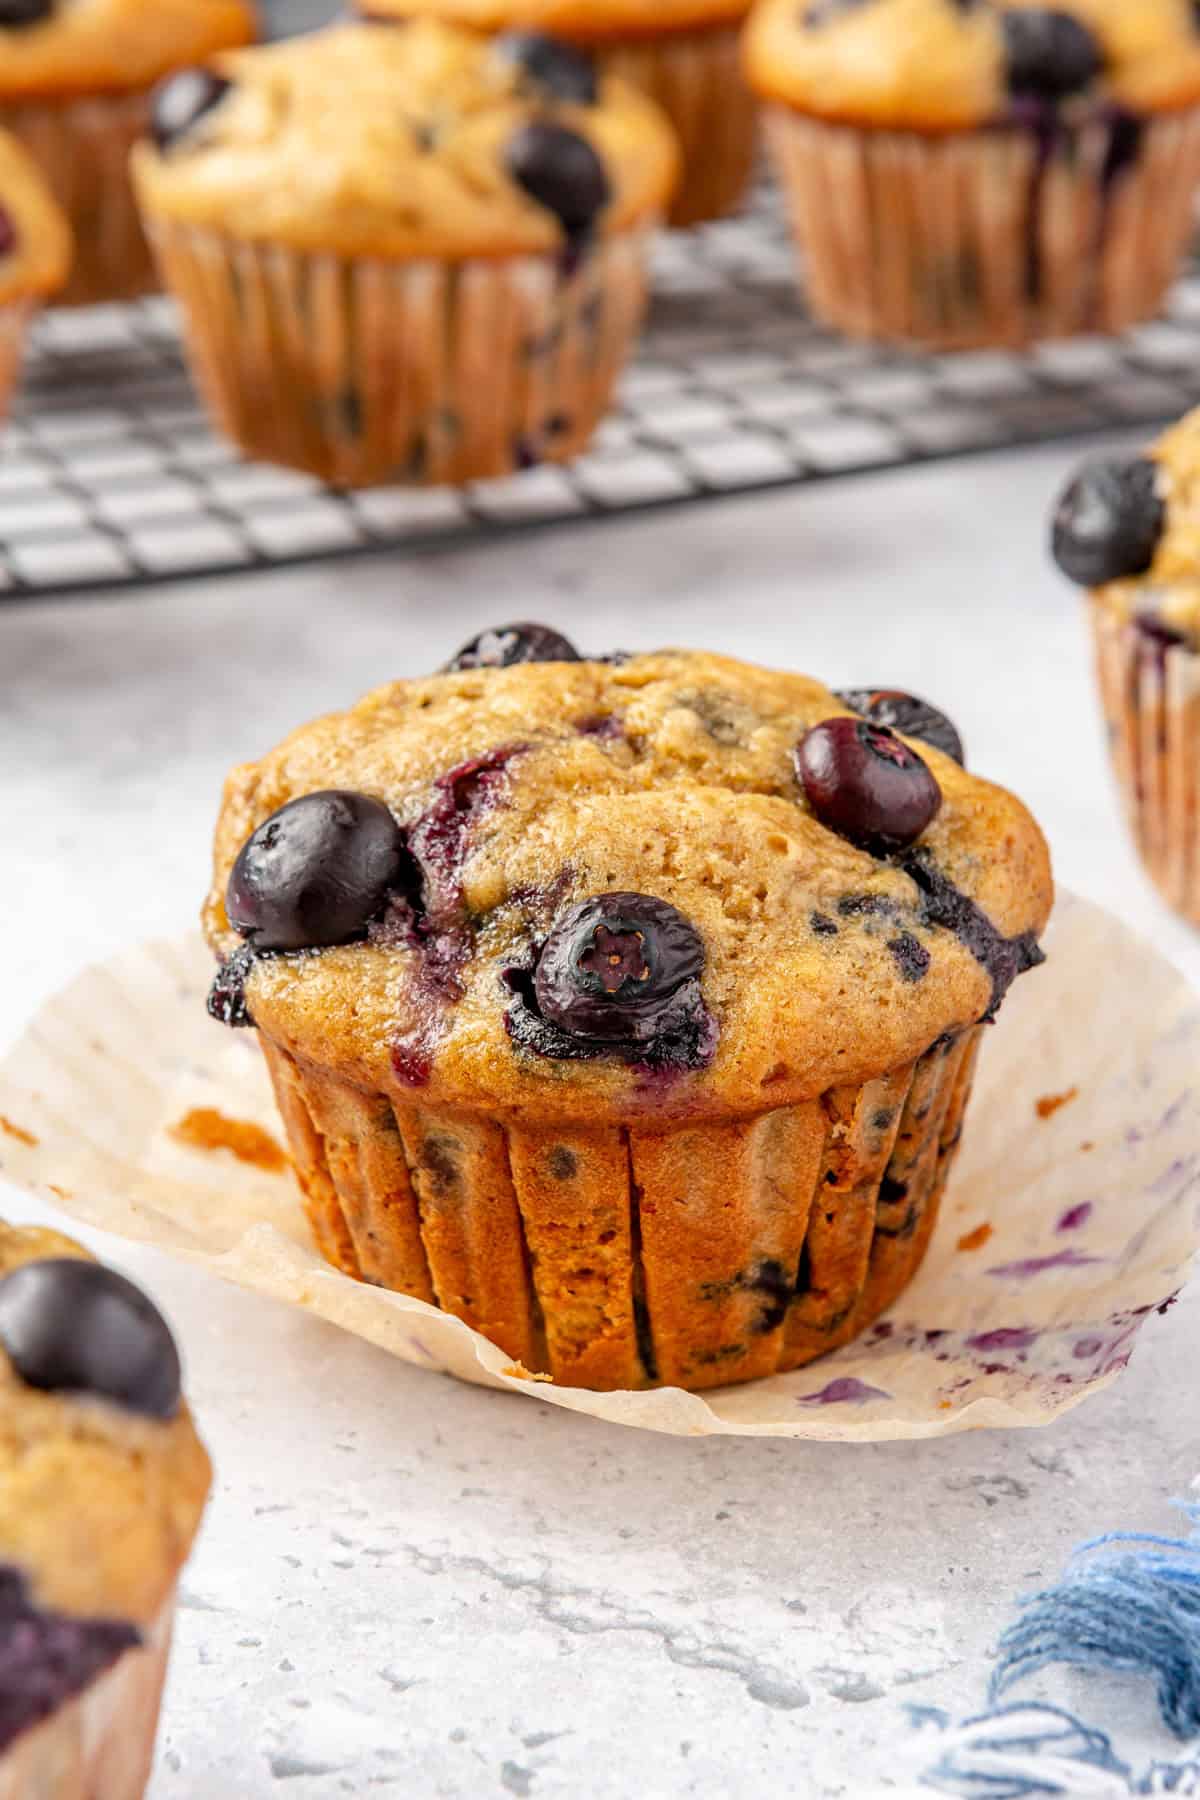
[(111, 477)]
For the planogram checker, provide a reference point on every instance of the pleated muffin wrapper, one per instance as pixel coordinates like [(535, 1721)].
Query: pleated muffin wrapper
[(364, 371), (83, 147), (696, 78), (708, 1252), (100, 1745), (1150, 692), (15, 316), (999, 236)]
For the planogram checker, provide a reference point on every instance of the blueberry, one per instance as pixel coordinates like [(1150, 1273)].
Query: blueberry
[(8, 233), (864, 782), (555, 68), (77, 1327), (227, 995), (612, 965), (14, 13), (504, 645), (824, 12), (1108, 522), (904, 712), (1049, 54), (315, 872), (561, 171), (46, 1658), (180, 102)]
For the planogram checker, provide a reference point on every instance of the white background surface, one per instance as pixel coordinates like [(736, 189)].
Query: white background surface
[(412, 1587)]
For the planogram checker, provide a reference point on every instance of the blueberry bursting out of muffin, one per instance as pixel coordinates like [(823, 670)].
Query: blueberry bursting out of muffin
[(76, 1328)]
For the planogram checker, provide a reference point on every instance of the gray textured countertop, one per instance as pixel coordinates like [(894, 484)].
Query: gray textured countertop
[(413, 1587)]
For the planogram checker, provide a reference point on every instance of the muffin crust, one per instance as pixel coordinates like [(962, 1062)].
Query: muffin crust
[(113, 46), (33, 225)]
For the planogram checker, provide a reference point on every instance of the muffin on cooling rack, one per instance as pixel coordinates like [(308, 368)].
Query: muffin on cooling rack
[(35, 254), (625, 1008), (1128, 529), (991, 173), (102, 1484), (686, 56), (398, 260), (75, 81)]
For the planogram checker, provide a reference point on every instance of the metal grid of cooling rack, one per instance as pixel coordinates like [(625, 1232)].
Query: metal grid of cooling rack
[(110, 475)]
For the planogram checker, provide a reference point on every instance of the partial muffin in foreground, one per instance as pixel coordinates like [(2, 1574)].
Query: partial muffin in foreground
[(625, 1008), (102, 1485), (35, 254), (686, 56), (992, 173), (394, 262), (1128, 529), (75, 83)]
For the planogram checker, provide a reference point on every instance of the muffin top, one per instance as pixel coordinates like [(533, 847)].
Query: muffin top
[(102, 1477), (430, 141), (579, 21), (938, 65), (645, 884), (60, 47), (35, 239), (1128, 527)]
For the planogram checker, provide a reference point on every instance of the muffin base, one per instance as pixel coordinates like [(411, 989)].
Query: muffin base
[(989, 237), (628, 1257), (420, 372), (100, 1746), (83, 149), (14, 322), (1151, 697), (696, 78)]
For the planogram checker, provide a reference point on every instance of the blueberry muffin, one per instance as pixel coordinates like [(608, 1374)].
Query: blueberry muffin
[(35, 254), (1128, 530), (625, 1008), (102, 1485), (973, 172), (686, 56), (398, 260), (75, 81)]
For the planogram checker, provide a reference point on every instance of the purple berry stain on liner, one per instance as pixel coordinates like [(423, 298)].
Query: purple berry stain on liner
[(1029, 1266), (1075, 1216), (1004, 1337), (47, 1658), (844, 1390)]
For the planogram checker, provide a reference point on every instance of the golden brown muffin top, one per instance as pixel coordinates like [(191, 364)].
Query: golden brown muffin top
[(99, 1502), (578, 21), (35, 239), (114, 46), (525, 791), (424, 142), (937, 65)]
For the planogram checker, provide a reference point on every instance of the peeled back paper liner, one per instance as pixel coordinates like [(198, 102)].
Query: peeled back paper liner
[(1073, 1213)]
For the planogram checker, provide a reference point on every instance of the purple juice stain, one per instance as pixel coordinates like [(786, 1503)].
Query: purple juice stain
[(945, 905), (1004, 1337), (1037, 1265), (47, 1658), (607, 727), (843, 1390), (439, 838), (1075, 1216), (1087, 1347)]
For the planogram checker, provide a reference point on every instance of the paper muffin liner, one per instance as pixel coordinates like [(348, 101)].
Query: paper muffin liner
[(696, 78), (999, 236), (1150, 692), (624, 1257), (14, 322), (1069, 1223), (99, 1746), (83, 148), (426, 371)]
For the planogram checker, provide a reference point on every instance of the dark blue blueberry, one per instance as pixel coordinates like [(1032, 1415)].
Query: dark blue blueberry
[(1108, 523), (227, 995), (180, 102), (1049, 54), (612, 964), (316, 872), (910, 956), (904, 712), (47, 1658), (822, 924), (76, 1327), (560, 70), (503, 645), (562, 172), (864, 782), (945, 905)]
